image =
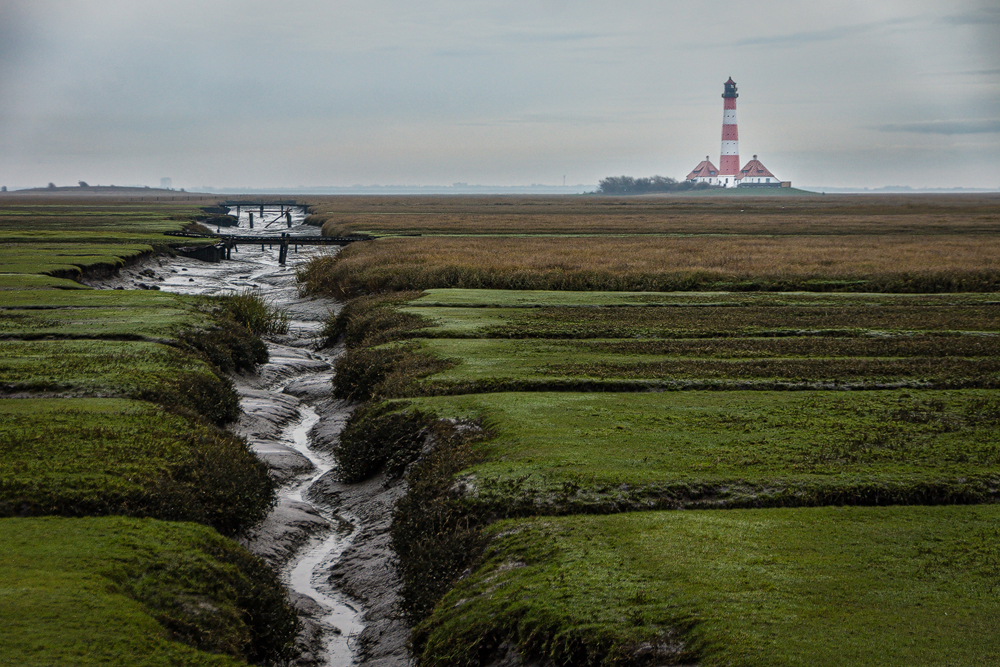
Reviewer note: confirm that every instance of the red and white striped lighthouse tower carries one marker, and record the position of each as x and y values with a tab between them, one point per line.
729	161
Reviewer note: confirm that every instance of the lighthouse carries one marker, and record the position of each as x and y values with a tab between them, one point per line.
729	161
729	175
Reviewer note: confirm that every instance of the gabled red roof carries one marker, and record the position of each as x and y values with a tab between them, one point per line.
705	169
754	168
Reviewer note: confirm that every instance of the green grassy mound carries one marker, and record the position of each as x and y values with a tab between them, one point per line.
22	281
162	320
764	317
599	452
141	370
103	591
68	260
833	586
484	365
77	457
216	329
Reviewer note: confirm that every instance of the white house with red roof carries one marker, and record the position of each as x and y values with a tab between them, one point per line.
705	172
755	174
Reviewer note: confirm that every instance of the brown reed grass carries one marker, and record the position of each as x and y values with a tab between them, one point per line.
736	214
896	263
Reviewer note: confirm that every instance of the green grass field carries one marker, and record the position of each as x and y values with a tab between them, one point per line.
119	591
149	371
95	456
67	260
748	363
567	451
893	586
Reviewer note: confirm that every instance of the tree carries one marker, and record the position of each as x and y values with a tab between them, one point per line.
626	185
83	184
52	186
3	189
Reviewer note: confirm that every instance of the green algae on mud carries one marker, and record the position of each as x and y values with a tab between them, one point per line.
114	590
897	586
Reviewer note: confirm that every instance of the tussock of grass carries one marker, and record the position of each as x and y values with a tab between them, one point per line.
381	438
433	533
255	312
389	371
78	457
113	590
828	586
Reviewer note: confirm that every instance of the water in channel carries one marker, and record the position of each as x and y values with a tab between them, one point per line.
279	410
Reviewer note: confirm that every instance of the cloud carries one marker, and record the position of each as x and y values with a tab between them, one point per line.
826	35
950	127
978	16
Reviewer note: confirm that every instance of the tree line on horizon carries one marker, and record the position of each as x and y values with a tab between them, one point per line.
627	185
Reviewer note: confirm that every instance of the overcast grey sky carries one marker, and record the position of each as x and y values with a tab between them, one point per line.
304	92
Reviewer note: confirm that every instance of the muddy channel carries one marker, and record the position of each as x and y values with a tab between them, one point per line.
329	541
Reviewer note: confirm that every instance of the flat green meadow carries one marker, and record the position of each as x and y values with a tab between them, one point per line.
832	461
893	586
569	451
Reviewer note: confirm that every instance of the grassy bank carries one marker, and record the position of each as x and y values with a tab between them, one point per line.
598	452
113	590
85	457
828	586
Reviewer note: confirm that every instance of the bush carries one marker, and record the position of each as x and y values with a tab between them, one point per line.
380	437
382	372
229	346
256	313
372	320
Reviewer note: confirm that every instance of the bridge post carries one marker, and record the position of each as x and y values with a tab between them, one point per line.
251	219
283	252
262	210
288	218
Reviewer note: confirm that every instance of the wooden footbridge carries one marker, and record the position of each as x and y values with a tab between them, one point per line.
229	242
